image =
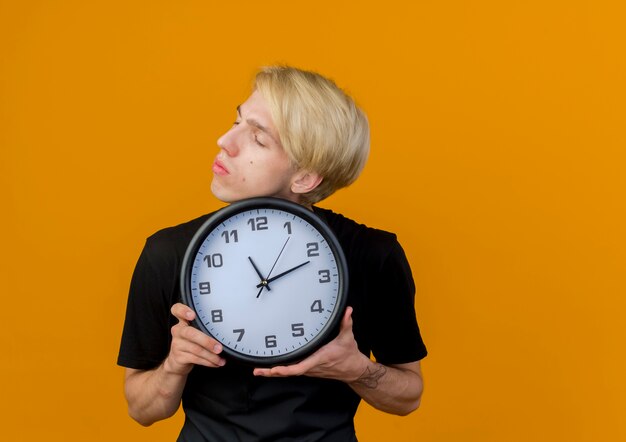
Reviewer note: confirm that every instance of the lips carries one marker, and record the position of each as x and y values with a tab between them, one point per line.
219	168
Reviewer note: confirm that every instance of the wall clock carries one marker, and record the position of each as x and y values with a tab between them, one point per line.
267	278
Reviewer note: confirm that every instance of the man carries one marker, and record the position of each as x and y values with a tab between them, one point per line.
300	138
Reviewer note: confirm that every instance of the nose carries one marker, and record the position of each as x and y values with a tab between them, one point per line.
228	142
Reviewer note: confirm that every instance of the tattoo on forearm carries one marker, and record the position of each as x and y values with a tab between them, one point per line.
370	376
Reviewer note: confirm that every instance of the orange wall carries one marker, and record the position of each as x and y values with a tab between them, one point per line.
498	135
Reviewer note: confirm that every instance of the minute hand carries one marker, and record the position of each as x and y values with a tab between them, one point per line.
280	275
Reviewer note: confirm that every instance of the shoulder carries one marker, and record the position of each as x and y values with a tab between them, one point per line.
172	242
359	239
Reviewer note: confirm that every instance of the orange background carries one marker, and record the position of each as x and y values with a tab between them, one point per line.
498	136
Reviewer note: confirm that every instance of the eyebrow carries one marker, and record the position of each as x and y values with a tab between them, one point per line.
255	123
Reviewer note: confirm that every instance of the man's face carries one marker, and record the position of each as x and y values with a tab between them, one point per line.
251	161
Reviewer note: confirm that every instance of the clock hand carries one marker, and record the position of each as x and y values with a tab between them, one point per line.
265	281
258	272
263	285
280	253
280	275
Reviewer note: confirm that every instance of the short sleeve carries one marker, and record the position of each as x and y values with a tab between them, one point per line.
395	335
146	335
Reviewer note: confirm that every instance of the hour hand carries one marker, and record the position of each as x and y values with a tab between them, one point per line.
280	275
263	283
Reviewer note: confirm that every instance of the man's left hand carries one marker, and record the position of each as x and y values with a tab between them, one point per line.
339	359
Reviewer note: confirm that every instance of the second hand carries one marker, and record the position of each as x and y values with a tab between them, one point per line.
272	269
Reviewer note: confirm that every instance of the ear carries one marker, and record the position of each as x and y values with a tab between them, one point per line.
305	180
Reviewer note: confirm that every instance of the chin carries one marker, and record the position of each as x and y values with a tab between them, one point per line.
220	193
227	196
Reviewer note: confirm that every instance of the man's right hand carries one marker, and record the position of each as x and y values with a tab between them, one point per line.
155	394
189	345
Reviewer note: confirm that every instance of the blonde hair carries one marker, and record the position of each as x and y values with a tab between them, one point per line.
320	127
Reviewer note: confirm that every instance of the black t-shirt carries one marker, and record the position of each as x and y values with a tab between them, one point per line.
229	403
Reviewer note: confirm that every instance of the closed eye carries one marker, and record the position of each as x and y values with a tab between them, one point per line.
257	141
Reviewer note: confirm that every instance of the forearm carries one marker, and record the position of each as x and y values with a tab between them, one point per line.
153	395
395	389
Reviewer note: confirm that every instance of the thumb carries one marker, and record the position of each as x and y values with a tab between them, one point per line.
346	321
183	313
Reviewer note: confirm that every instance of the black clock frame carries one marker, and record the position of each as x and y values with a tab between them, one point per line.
331	328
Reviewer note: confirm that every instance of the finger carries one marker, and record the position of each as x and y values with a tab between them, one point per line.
190	346
183	362
183	312
280	371
195	354
195	336
346	321
266	372
299	369
348	314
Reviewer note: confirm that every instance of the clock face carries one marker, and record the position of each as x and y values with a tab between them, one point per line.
267	279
